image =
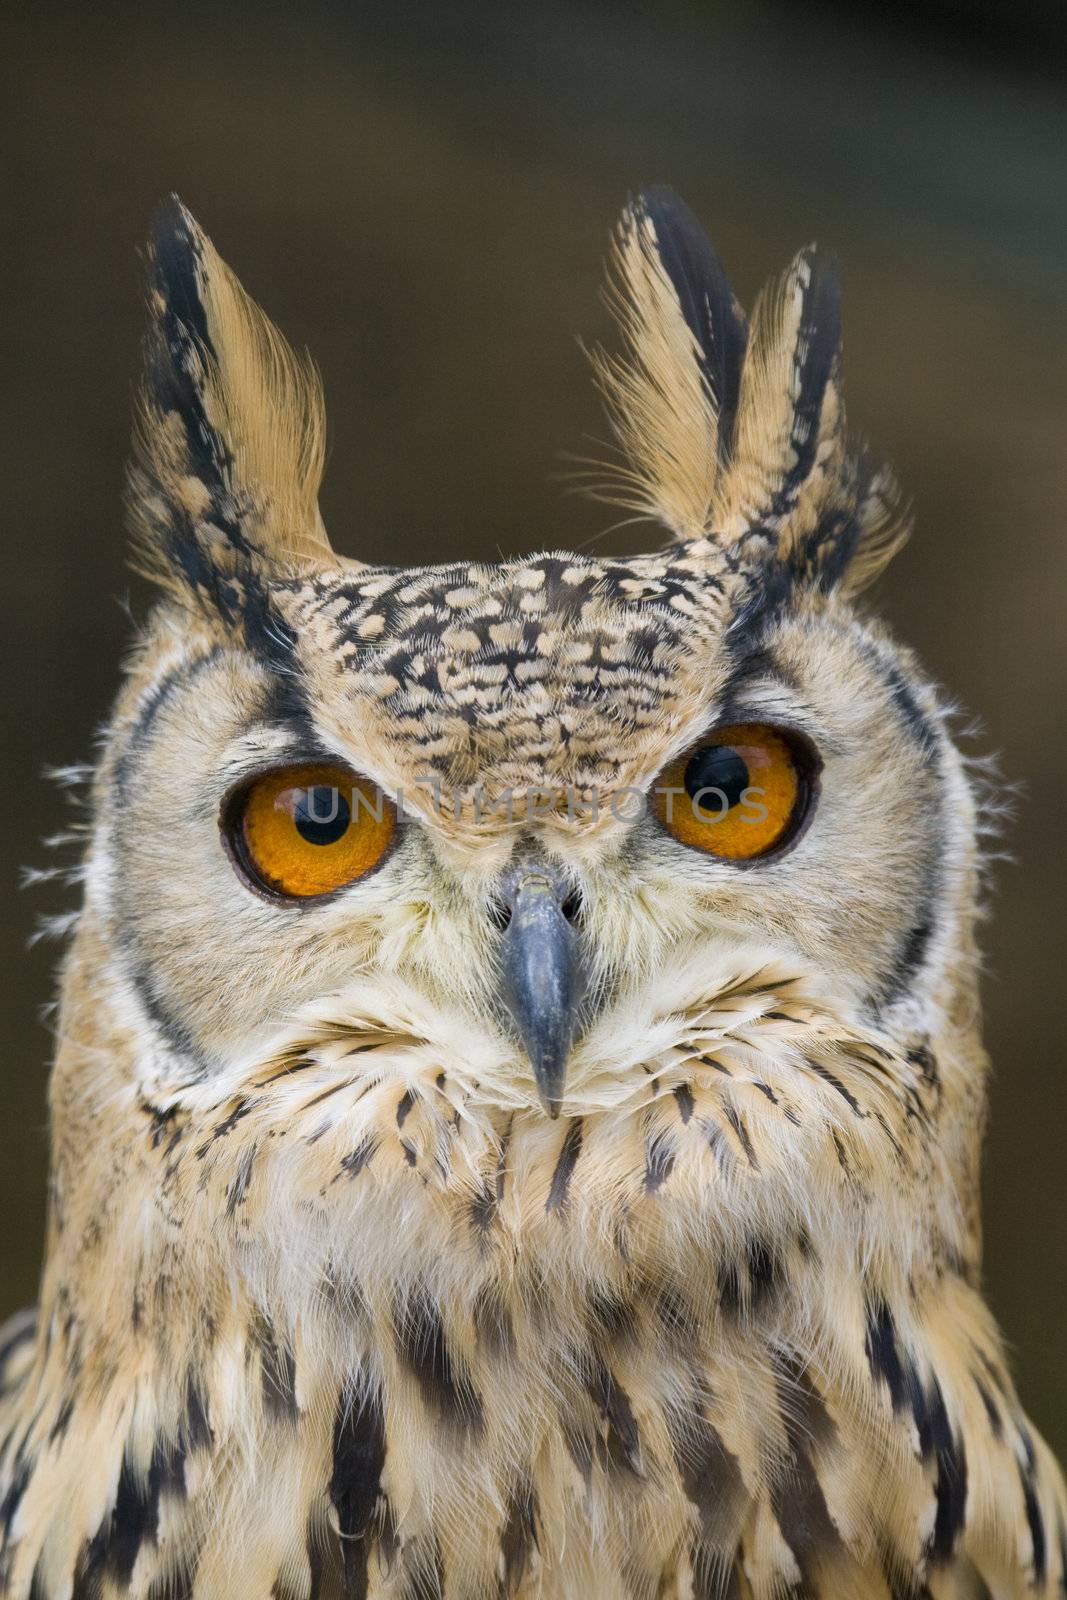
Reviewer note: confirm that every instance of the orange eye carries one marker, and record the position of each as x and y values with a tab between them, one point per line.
306	831
744	791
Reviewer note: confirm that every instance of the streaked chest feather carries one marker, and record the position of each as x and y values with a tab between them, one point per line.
432	1343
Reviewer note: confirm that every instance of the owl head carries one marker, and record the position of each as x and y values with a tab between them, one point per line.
408	867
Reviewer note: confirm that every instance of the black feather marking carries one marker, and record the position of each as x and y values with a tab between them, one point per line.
1035	1522
223	1129
133	1522
568	1160
518	1538
179	1585
278	1370
684	1096
707	301
176	680
357	1159
842	1153
443	1380
909	957
835	1083
611	1316
18	1483
660	1156
729	1287
710	1473
922	1056
355	1485
63	1418
238	1188
502	1163
815	355
316	1556
797	1497
915	719
613	1403
212	552
1026	1440
883	1356
737	1123
808	1415
764	1271
22	1329
950	1494
828	549
20	1332
195	1429
924	1410
492	1321
719	1147
992	1411
174	1032
176	260
483	1210
176	362
937	1436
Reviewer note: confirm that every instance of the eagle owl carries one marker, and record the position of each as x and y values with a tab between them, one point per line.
519	1090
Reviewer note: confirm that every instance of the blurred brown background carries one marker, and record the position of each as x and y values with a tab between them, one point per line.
422	195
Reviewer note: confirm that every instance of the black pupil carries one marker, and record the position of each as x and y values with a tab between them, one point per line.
322	815
720	768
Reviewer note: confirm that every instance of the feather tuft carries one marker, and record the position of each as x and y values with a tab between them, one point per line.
734	438
672	395
229	440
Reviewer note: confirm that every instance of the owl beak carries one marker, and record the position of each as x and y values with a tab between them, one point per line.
541	987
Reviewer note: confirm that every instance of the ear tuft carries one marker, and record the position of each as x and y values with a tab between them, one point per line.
790	437
708	303
738	437
672	397
795	493
229	441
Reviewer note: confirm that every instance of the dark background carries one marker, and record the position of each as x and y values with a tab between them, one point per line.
422	195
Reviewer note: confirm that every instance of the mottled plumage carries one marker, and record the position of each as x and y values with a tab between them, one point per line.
333	1305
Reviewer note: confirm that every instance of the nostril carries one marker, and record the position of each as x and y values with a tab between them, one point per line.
498	912
572	906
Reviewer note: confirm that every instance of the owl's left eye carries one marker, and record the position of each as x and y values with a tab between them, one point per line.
744	793
302	832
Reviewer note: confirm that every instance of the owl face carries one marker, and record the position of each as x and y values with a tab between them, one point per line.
482	726
546	840
524	792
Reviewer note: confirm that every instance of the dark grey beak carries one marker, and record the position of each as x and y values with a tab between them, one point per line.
542	980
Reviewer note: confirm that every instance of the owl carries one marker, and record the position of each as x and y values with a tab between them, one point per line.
519	1088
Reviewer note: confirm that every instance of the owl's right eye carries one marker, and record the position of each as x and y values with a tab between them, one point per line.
743	794
304	832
